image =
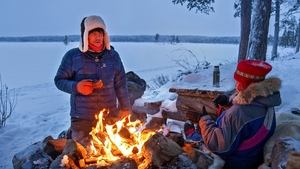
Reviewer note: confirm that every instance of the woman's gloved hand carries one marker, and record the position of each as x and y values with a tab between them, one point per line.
85	87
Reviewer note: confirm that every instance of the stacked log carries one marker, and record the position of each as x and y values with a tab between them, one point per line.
190	103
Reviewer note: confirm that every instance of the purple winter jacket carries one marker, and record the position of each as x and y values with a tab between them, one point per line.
240	133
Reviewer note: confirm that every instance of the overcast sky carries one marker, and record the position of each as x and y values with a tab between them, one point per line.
123	17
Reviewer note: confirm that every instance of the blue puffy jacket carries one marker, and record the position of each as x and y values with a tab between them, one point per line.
240	133
76	66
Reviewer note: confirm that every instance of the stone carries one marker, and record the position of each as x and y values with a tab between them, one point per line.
32	157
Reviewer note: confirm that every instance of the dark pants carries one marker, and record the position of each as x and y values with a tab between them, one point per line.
80	129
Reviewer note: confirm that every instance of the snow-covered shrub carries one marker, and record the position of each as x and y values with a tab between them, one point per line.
159	81
189	63
8	101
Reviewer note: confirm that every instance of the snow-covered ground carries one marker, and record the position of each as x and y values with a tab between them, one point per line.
43	110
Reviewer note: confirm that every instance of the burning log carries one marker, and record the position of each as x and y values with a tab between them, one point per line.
159	149
124	133
83	163
75	149
70	157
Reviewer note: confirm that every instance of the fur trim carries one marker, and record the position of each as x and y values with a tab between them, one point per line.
264	88
90	23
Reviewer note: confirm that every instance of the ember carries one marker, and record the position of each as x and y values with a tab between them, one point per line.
111	143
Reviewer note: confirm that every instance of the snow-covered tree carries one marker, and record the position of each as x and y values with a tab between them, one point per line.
276	30
285	9
298	37
257	47
294	11
243	8
289	26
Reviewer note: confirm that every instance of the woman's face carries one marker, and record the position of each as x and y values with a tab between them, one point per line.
95	38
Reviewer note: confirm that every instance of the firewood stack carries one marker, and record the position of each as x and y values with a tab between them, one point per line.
190	103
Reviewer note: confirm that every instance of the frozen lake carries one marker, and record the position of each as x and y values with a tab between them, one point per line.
28	63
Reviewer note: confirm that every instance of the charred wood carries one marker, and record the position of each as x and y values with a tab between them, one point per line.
159	149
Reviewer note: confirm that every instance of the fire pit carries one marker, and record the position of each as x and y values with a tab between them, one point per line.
125	144
112	143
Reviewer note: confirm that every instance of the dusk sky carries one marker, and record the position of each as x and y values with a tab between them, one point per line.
123	17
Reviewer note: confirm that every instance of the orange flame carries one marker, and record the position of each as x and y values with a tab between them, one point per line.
122	139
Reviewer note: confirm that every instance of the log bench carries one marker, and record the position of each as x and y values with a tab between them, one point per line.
189	105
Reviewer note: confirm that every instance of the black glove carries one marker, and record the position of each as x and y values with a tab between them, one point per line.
221	100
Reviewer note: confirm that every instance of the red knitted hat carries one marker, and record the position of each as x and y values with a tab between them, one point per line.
249	71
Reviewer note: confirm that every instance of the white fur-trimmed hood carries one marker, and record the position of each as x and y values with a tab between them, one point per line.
264	88
90	23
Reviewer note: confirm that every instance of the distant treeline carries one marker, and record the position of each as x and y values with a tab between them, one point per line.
128	38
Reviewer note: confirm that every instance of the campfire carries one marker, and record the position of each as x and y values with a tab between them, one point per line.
111	143
125	144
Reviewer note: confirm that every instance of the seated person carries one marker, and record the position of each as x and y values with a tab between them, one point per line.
241	131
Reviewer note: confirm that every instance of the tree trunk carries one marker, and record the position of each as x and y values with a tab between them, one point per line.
259	30
246	6
276	30
298	37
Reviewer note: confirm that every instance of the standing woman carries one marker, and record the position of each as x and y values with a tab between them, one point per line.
94	75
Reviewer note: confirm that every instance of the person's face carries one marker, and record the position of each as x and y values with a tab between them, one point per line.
95	38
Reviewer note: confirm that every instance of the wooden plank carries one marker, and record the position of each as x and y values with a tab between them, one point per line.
196	92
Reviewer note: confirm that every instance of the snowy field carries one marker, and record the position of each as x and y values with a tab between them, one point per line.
43	110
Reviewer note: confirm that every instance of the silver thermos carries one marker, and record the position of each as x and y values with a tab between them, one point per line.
216	76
